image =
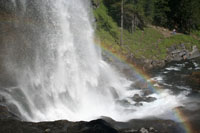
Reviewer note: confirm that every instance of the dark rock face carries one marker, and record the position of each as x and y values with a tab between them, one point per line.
147	64
6	114
9	123
96	126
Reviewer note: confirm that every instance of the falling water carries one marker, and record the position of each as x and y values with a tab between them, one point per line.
56	70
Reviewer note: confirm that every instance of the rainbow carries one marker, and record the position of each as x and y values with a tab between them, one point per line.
179	116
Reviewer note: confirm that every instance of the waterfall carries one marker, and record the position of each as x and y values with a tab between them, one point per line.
56	70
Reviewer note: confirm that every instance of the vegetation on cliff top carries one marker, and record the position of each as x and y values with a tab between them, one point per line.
146	40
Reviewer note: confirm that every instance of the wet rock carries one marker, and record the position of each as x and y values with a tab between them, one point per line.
150	99
6	114
143	130
138	104
152	130
95	126
159	126
137	98
123	102
47	130
146	92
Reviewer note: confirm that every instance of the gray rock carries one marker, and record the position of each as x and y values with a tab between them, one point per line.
177	58
194	53
123	102
143	130
147	61
138	104
137	98
47	130
182	53
152	130
150	99
176	51
175	54
146	92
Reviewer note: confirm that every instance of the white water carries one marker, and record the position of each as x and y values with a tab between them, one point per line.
59	73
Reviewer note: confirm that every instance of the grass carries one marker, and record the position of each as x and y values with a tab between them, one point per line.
196	33
176	40
148	43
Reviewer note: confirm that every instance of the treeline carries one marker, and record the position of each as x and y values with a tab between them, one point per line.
183	15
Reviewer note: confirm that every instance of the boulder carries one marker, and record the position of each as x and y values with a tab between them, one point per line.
150	99
194	53
147	92
137	98
143	130
95	126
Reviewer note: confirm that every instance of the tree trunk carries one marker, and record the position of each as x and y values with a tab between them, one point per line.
132	25
122	21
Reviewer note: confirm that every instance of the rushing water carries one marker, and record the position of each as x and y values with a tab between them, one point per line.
56	72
